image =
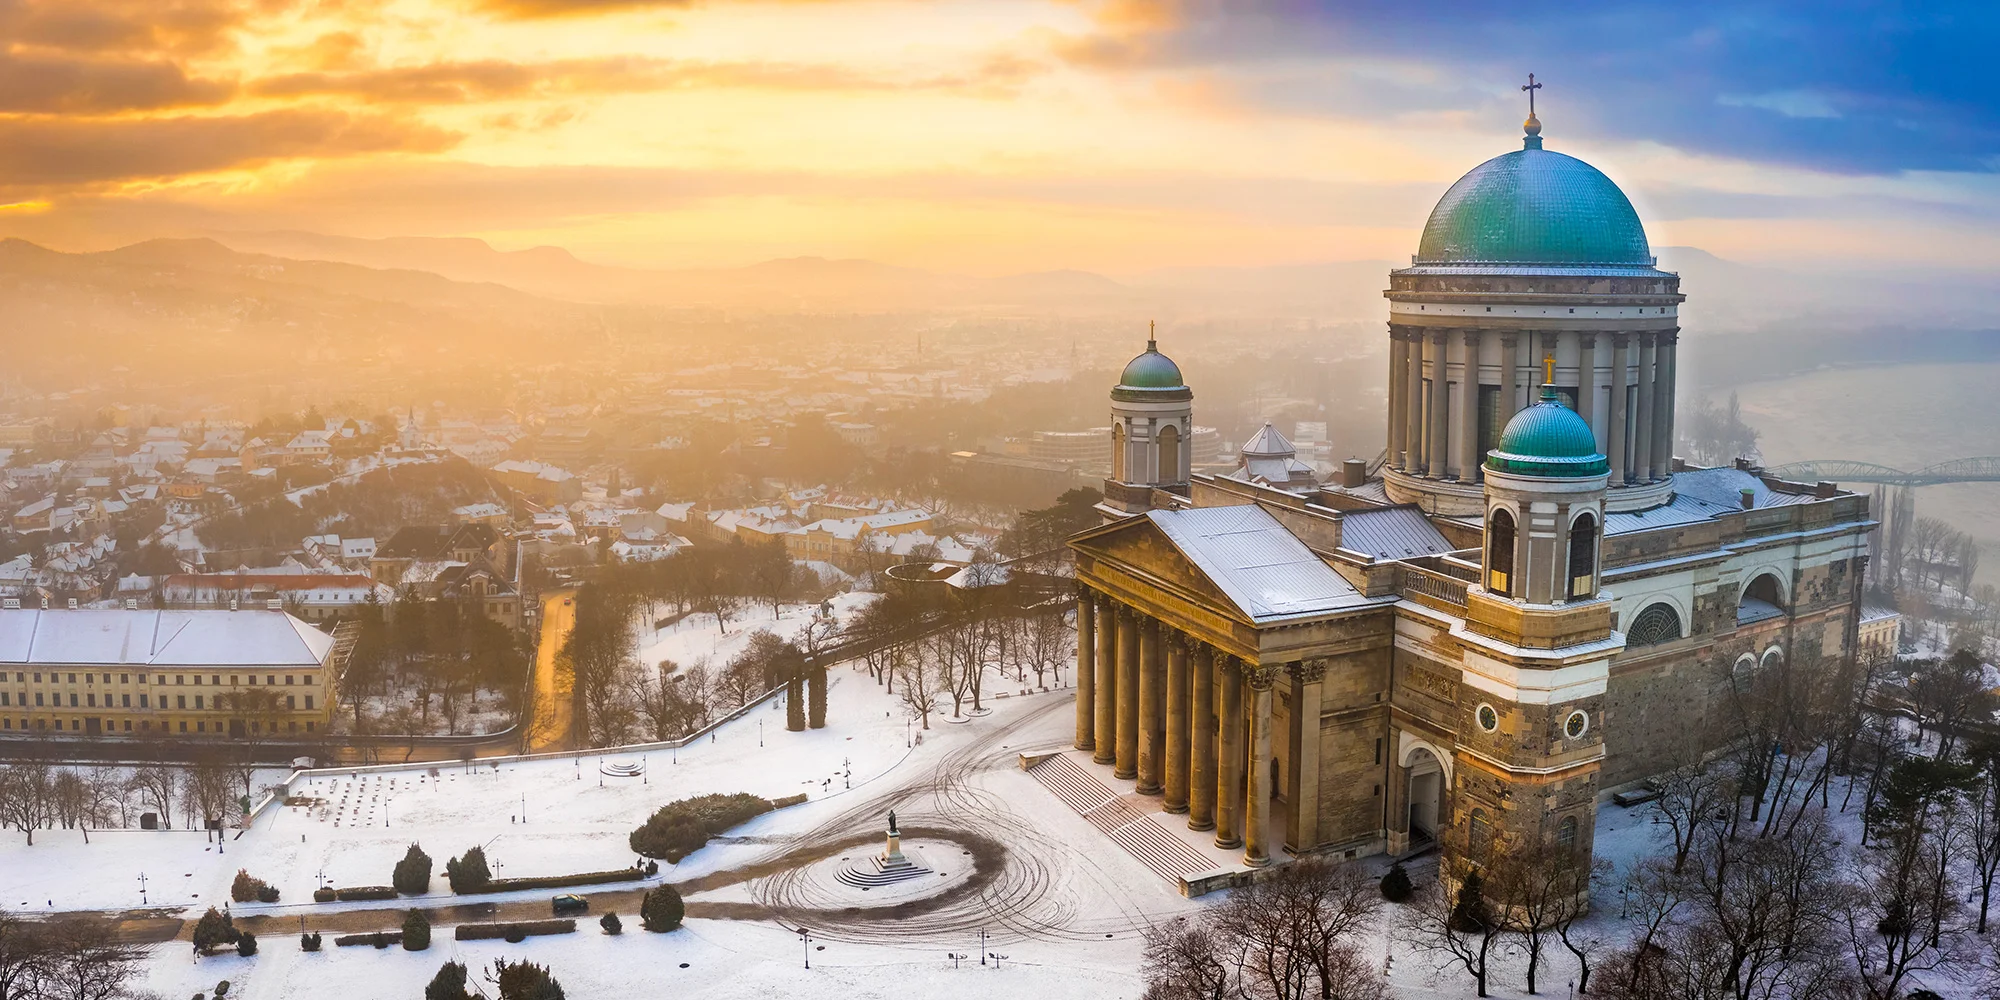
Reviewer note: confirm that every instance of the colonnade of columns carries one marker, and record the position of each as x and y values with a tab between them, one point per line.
1433	421
1186	721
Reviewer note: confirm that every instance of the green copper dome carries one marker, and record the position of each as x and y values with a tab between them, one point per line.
1535	207
1151	370
1548	440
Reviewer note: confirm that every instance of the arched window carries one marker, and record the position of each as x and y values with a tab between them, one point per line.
1582	556
1500	552
1763	599
1118	452
1566	833
1478	835
1656	624
1170	454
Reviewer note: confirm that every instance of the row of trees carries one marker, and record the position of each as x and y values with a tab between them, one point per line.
426	656
76	958
40	796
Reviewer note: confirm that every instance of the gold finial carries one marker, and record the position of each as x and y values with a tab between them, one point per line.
1533	126
1549	369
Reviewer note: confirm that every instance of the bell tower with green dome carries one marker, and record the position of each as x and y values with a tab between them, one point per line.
1152	430
1538	641
1532	254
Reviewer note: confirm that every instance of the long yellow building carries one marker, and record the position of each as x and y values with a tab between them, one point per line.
221	674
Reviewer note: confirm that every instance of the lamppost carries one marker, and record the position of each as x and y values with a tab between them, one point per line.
806	938
982	946
142	888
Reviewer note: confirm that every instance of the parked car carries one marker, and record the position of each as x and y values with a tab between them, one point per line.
568	903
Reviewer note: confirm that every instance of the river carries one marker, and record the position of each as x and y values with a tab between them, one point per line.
1901	416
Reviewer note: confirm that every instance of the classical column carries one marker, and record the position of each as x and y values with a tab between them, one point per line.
1468	411
1663	404
1177	722
1152	679
1399	425
1642	420
1201	779
1106	748
1302	784
1413	401
1257	819
1438	451
1086	680
1510	375
1128	695
1614	433
1586	378
1229	759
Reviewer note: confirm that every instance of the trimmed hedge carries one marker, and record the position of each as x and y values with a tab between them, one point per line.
323	895
353	893
682	827
482	932
555	881
372	939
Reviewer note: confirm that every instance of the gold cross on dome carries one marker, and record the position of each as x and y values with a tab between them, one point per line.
1531	86
1549	368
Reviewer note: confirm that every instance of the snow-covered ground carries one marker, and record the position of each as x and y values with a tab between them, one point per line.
695	639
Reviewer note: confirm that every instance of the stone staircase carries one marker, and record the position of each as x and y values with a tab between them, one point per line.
1167	855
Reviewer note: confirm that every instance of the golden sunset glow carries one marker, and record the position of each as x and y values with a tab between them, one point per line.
983	137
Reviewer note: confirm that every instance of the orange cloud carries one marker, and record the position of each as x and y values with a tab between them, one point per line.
526	9
56	153
69	85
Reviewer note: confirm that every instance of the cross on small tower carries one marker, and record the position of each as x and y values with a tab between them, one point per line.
1531	86
1549	368
1152	342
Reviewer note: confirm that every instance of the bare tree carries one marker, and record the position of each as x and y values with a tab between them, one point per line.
1285	937
158	786
1902	913
1539	889
921	681
1982	809
1692	792
1452	918
1945	693
26	798
84	959
1184	961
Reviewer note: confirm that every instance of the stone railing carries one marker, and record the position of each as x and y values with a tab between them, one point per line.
1435	590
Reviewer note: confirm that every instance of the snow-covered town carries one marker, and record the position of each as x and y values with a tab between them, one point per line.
944	499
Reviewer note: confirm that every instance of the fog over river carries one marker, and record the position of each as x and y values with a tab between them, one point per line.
1901	416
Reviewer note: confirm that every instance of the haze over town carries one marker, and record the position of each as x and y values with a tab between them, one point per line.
605	456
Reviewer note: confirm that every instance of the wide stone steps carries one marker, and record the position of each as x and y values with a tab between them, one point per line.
1167	855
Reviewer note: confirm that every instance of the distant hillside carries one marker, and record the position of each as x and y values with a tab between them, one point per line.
180	306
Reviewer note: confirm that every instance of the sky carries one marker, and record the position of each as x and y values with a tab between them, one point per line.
1116	136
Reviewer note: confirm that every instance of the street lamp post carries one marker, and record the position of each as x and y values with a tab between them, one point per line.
142	888
806	938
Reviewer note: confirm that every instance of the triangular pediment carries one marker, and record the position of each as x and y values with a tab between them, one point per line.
1239	561
1137	547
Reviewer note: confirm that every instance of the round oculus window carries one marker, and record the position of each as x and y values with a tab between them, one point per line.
1489	719
1576	725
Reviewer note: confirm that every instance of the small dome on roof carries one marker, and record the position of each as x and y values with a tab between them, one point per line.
1548	440
1269	443
1151	370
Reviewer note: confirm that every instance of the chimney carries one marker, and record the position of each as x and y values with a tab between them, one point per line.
1353	473
1743	464
1749	498
1824	489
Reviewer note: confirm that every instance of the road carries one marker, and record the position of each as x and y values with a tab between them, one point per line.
549	729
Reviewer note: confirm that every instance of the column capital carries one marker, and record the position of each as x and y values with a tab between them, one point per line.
1083	591
1510	340
1587	338
1619	340
1309	671
1259	676
1671	336
1173	638
1438	335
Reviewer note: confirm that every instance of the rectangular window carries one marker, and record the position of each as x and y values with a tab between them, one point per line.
197	703
72	678
3	697
127	678
290	702
184	726
180	678
127	700
234	680
181	701
1378	751
128	725
288	680
6	723
309	702
253	680
75	724
38	678
309	679
38	699
216	680
268	679
92	700
201	727
72	699
197	680
142	701
309	727
90	678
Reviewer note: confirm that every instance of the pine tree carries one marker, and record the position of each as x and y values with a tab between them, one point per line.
412	875
213	931
662	908
416	931
448	984
795	700
816	695
468	871
246	944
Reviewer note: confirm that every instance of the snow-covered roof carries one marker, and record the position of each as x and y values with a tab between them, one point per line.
161	638
1268	442
1262	568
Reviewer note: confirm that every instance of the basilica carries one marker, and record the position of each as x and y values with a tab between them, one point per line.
1524	606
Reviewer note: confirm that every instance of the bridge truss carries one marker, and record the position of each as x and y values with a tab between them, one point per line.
1840	470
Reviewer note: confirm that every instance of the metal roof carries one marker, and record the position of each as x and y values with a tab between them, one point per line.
1262	568
92	637
1391	533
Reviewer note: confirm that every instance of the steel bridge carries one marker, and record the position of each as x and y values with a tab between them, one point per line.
1840	470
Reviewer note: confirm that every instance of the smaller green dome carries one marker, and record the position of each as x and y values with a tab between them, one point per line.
1548	440
1151	370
